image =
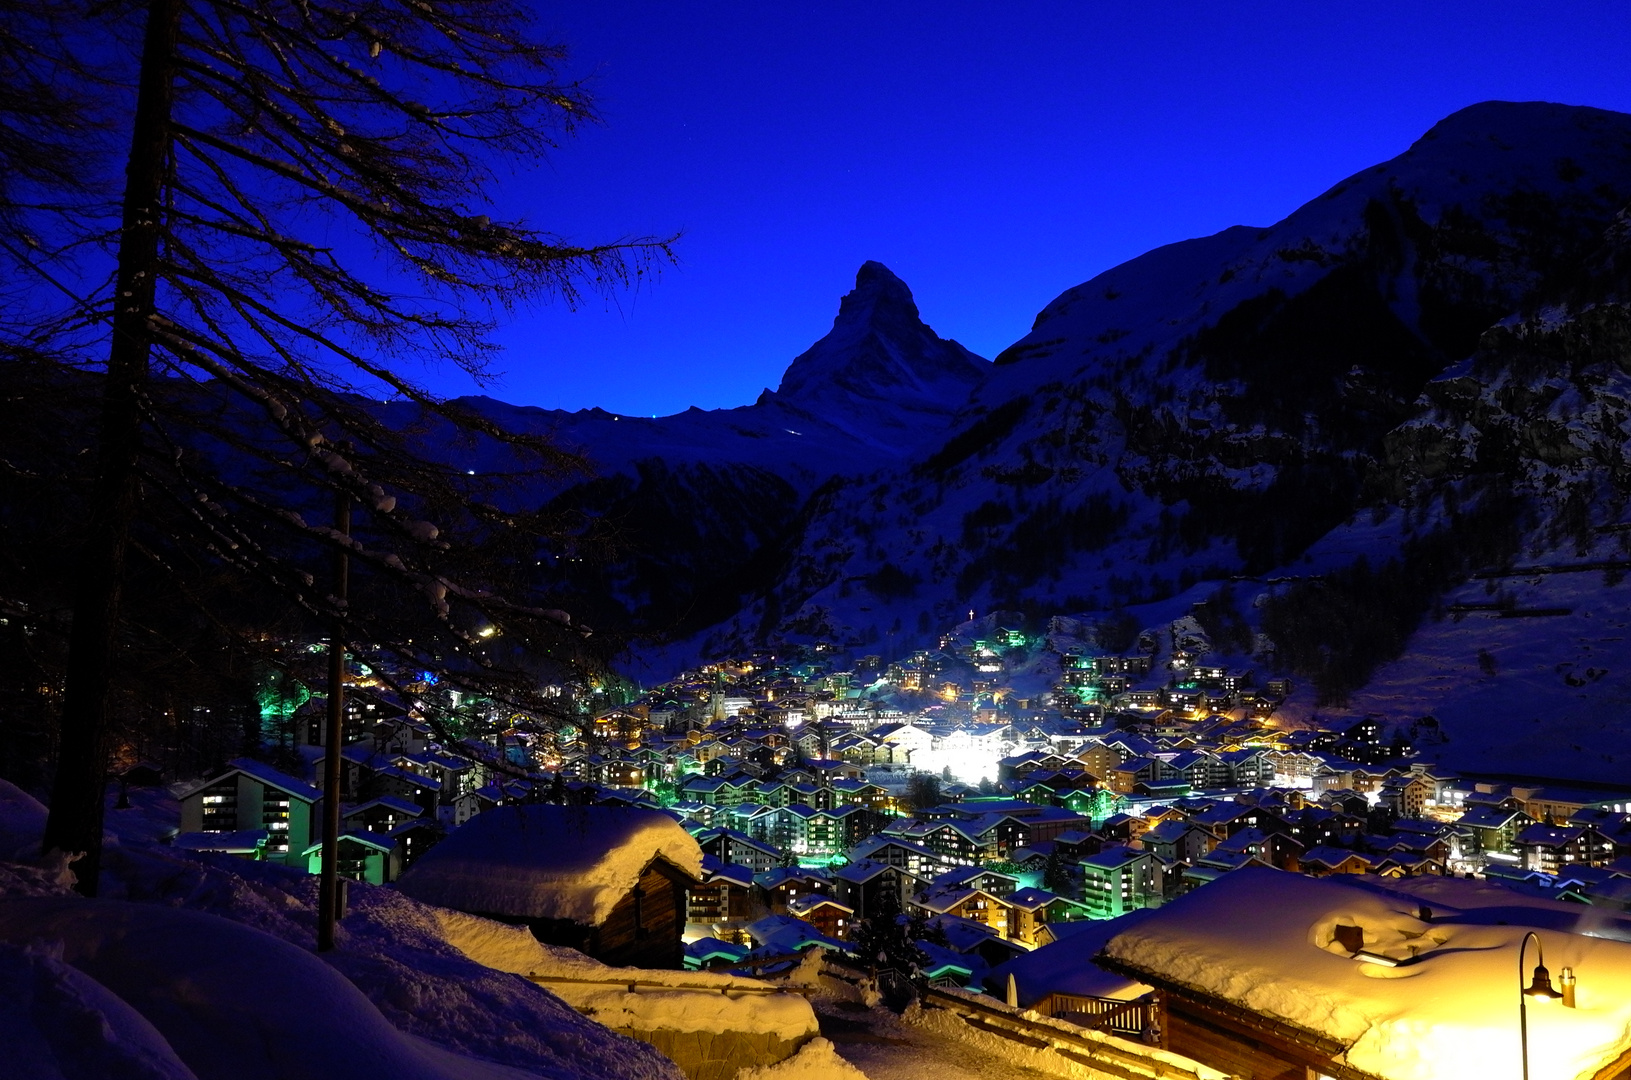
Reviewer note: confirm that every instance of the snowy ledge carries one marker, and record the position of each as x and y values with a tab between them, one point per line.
700	1001
1065	1047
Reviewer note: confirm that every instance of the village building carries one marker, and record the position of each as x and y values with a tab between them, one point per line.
609	881
1118	880
1552	848
1032	909
724	902
830	916
363	856
1268	974
251	796
737	848
869	886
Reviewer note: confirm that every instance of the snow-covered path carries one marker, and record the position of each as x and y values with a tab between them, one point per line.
877	1042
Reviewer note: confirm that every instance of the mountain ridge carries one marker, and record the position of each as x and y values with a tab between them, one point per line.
1216	407
1287	407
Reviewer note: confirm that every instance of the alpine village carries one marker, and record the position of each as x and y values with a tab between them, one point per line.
1228	679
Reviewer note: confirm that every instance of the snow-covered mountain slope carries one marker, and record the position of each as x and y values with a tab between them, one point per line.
881	375
1418	377
1527	664
700	504
1539	688
1494	596
1215	406
880	385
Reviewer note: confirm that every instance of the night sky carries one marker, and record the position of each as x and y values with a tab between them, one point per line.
992	155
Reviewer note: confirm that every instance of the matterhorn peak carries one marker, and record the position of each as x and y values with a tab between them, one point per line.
878	294
880	350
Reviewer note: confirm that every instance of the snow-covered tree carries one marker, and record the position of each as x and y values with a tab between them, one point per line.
884	940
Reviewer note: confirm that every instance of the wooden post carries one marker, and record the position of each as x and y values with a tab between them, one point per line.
328	894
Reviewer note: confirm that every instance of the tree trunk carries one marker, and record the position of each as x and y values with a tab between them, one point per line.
75	822
329	889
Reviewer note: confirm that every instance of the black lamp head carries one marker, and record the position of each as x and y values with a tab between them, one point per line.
1540	986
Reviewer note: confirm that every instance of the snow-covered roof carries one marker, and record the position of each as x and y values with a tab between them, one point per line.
1113	858
1488	817
1265	941
262	772
787	934
371	840
968	875
390	802
777	876
861	871
1033	899
711	948
730	873
1333	856
549	862
803	905
1170	832
878	841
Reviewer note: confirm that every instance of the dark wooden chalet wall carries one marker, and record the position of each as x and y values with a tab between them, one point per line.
1246	1045
646	927
1236	1040
1232	1052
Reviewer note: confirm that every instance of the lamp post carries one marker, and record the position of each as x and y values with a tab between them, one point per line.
1540	987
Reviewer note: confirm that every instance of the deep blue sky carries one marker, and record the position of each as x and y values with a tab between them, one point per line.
991	154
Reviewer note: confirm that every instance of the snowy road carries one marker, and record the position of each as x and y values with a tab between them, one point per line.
880	1045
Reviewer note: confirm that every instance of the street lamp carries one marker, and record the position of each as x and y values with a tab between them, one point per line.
1539	988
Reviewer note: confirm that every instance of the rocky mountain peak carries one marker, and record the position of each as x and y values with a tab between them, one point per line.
878	296
879	348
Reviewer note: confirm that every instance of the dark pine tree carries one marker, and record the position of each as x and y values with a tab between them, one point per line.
884	941
1056	876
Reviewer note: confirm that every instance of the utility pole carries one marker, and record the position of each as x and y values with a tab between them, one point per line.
328	896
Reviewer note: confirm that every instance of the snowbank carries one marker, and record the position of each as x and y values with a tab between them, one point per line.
62	1025
549	862
661	1001
234	1003
947	1024
22	823
173	926
512	948
816	1060
1264	940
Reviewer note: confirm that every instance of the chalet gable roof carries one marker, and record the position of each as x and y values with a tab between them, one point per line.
550	862
263	772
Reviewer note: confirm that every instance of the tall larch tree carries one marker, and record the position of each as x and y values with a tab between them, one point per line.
305	217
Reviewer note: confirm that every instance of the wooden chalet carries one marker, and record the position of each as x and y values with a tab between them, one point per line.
1277	976
609	881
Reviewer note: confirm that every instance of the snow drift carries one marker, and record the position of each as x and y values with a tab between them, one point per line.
199	966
